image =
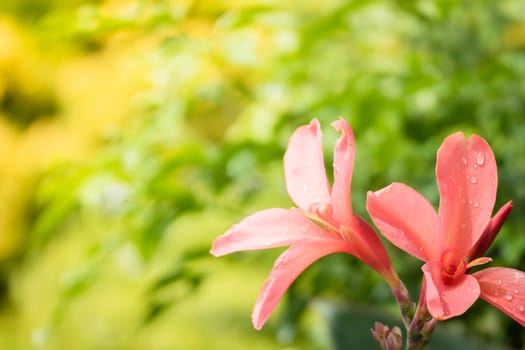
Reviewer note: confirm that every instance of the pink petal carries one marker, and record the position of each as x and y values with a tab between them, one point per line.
467	179
268	228
304	168
505	289
343	167
366	246
448	300
490	232
286	269
406	219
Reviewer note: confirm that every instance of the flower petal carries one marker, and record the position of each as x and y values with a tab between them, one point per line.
287	267
505	289
448	300
491	231
304	168
406	219
265	229
366	246
343	167
467	179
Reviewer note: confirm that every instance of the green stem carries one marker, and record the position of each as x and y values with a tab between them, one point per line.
423	324
405	303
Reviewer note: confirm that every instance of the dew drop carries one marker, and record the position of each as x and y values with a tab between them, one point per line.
474	179
517	276
480	158
521	308
476	204
498	282
284	234
516	291
264	292
509	297
305	187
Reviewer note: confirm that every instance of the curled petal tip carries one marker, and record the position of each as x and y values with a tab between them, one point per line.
340	125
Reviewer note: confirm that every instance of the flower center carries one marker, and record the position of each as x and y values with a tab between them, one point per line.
452	266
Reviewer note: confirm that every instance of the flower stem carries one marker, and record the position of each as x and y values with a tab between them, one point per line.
405	303
420	329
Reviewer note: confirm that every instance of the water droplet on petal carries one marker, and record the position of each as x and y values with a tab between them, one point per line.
476	204
305	187
284	234
521	308
516	291
480	158
264	292
498	282
509	297
474	179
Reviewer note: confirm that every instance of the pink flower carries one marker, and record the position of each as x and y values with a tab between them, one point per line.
454	239
323	224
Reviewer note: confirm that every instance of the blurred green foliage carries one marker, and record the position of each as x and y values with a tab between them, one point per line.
134	132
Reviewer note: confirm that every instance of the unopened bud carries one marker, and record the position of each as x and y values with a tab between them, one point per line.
386	338
491	231
380	333
394	340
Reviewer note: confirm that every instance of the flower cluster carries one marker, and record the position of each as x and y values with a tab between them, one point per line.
450	241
